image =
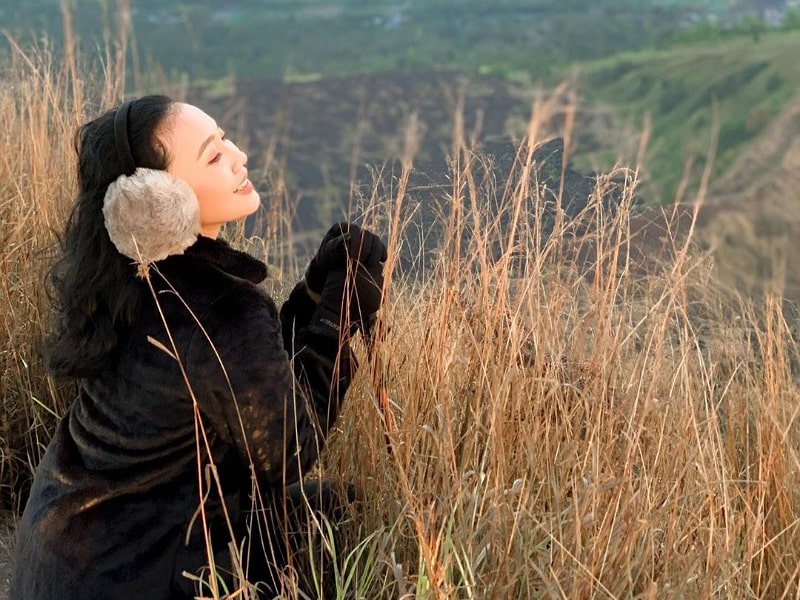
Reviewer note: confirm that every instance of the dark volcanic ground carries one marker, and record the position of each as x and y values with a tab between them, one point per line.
328	138
318	145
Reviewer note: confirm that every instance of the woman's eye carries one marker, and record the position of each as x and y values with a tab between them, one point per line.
216	158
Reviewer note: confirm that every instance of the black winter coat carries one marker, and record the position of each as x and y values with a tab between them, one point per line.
111	511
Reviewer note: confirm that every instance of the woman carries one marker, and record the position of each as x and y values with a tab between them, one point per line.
186	387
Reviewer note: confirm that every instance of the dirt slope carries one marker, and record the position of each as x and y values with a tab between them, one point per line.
754	212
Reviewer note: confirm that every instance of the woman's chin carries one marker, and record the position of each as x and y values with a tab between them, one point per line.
247	203
253	202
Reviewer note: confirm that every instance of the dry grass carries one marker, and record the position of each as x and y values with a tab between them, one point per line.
566	428
39	113
561	422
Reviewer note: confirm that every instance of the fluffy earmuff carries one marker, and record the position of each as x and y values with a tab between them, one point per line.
150	215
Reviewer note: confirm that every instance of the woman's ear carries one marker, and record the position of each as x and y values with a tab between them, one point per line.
151	215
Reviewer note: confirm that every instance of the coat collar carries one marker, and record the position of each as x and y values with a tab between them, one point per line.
235	262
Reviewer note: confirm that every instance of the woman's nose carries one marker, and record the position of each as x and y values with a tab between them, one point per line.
239	157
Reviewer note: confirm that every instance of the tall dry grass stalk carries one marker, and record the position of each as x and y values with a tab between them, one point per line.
567	422
44	97
564	418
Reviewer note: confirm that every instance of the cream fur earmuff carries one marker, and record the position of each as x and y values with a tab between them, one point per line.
151	215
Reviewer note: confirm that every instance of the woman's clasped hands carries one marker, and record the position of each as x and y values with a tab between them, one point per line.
345	278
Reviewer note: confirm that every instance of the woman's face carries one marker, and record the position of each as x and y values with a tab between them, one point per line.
212	166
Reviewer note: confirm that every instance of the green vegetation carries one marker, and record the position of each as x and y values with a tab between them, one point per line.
255	39
741	83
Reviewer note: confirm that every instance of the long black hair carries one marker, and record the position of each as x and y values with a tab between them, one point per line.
94	288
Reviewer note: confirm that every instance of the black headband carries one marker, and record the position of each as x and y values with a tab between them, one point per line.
121	137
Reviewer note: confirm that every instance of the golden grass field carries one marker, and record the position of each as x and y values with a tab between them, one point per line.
571	417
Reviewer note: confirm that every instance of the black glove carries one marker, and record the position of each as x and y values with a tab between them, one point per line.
342	244
350	300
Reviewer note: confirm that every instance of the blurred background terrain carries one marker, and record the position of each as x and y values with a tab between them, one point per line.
321	90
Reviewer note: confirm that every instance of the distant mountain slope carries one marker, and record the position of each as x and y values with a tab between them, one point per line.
755	228
748	90
746	84
749	221
771	160
290	38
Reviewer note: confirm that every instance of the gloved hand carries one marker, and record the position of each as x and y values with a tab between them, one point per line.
350	298
343	243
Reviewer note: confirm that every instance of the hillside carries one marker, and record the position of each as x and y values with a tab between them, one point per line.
755	228
750	215
748	83
285	39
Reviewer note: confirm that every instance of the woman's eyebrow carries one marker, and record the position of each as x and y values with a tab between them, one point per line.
205	144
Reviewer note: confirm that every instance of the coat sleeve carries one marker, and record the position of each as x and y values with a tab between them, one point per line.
276	414
311	353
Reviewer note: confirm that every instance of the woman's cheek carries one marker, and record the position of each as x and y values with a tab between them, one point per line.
205	198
